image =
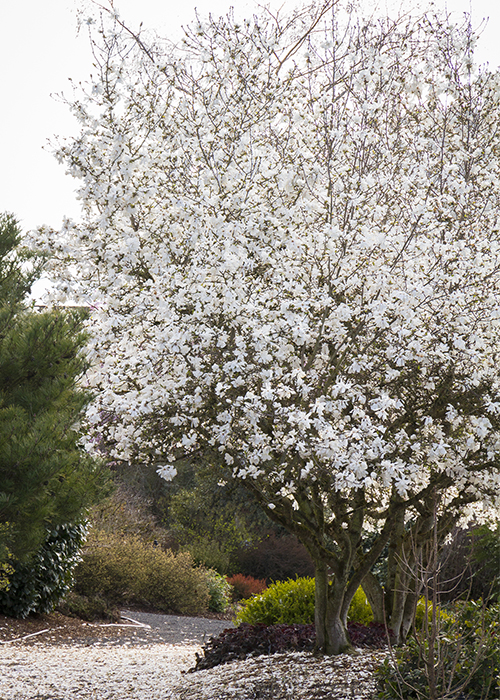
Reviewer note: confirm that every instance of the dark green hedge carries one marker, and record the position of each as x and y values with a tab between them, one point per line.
38	584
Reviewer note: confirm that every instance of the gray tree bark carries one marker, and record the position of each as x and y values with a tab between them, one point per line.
330	613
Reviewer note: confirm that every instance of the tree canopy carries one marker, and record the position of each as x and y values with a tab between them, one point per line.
290	244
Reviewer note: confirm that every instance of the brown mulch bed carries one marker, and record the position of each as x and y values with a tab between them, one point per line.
56	628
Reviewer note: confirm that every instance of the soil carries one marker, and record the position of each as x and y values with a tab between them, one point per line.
62	629
135	627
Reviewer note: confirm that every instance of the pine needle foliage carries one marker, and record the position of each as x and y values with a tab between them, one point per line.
46	479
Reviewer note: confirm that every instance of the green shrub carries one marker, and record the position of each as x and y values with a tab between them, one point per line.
466	659
128	570
90	609
359	609
292	602
285	602
486	555
38	584
220	591
6	568
420	613
209	554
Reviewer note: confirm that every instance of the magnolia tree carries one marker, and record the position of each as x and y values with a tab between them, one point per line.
290	242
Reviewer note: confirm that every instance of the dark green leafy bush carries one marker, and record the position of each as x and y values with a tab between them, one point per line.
129	570
38	584
467	660
275	558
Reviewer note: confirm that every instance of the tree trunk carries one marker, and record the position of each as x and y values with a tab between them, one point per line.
329	618
399	596
375	595
408	616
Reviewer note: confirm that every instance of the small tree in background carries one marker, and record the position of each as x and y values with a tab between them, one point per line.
453	653
46	479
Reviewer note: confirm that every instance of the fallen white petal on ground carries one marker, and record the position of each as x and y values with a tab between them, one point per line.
291	676
95	672
153	672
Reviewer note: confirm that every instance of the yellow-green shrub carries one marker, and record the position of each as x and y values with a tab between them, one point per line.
359	609
284	602
292	602
442	615
128	570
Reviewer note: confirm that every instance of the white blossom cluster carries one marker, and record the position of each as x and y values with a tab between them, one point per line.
290	248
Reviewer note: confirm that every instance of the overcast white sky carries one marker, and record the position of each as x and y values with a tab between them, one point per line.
40	51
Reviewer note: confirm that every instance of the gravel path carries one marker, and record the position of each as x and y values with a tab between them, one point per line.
146	657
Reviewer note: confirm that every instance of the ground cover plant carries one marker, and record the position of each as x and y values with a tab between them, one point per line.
290	245
255	640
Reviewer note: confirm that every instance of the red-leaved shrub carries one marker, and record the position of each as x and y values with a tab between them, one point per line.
246	586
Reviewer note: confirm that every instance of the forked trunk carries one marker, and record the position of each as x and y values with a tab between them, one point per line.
330	615
404	599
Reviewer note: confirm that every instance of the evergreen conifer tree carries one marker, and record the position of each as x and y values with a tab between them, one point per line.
46	480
